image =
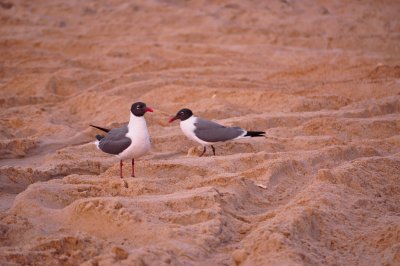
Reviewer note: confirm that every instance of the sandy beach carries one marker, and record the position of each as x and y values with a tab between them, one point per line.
321	78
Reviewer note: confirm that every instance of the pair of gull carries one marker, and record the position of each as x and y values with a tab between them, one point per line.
133	140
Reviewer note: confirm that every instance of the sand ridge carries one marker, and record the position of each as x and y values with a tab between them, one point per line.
321	78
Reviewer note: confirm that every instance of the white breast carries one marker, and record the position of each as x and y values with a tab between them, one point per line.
139	135
188	128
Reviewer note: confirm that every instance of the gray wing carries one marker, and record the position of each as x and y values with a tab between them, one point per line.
210	131
115	141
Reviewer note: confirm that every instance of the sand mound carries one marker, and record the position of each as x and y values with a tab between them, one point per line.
322	79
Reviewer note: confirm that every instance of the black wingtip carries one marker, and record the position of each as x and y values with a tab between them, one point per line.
101	128
255	134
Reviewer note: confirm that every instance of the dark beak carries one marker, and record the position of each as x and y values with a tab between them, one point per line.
148	109
173	119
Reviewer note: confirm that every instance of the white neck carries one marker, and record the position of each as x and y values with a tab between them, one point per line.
188	129
190	120
137	132
137	126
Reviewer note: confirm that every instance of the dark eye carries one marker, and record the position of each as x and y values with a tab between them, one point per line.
139	107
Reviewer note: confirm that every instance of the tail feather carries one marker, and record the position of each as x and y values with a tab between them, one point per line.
101	128
255	134
99	137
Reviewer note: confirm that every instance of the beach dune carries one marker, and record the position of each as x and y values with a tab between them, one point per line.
322	78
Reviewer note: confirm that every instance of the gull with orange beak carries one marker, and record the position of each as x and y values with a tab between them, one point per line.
208	132
130	141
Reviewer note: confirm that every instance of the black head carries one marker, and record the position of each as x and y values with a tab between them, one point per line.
183	114
139	109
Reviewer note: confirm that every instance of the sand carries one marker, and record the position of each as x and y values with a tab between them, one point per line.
322	78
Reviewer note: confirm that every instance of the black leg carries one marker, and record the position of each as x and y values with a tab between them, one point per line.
120	167
204	150
133	167
212	147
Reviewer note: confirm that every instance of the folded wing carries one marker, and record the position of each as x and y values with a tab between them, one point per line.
210	131
115	141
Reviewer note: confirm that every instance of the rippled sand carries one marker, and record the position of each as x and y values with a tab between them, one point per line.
321	78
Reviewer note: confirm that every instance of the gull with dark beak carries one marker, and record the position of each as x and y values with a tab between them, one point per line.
208	132
128	142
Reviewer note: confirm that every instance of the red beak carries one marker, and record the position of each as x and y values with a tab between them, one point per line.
148	109
173	119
